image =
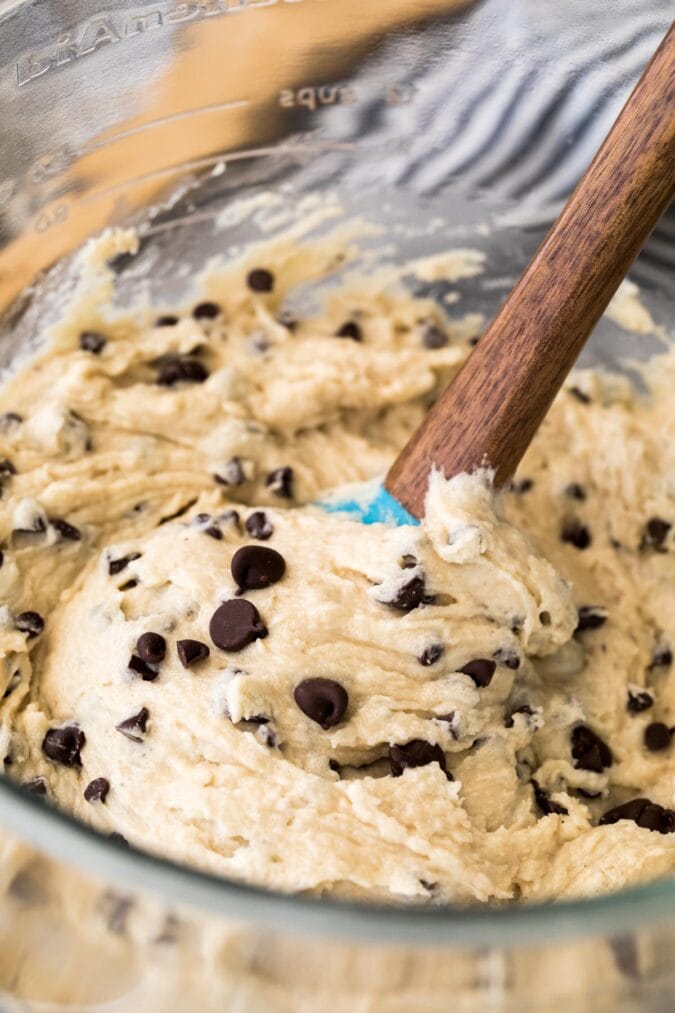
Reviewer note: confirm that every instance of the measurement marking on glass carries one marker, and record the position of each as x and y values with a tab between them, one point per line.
162	121
203	163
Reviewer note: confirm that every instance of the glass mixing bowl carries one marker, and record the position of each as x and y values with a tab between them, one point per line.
447	123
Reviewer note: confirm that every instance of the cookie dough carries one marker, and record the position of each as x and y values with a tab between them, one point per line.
198	659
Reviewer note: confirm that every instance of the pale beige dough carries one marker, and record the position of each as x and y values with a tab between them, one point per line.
285	803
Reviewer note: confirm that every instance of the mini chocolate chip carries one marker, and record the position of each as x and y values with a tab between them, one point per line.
232	473
30	623
521	485
191	651
63	745
36	786
167	320
128	585
206	311
324	701
480	670
655	533
235	624
260	280
280	482
579	394
508	657
135	727
92	341
409	562
350	329
118	839
638	702
431	654
97	790
288	320
416	753
661	658
181	369
230	517
648	815
9	421
409	595
257	566
591	617
259	526
151	647
523	709
213	532
68	532
545	618
434	337
576	534
657	736
116	566
546	804
142	668
7	469
589	751
575	491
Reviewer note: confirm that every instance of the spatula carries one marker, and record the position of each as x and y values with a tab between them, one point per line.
490	412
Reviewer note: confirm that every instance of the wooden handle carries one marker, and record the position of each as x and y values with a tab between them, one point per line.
495	404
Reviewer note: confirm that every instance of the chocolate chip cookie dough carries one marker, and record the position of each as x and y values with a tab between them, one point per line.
198	660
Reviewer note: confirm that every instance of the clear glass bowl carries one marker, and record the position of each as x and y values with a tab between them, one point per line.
448	124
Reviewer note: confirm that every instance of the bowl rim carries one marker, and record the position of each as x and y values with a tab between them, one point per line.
65	839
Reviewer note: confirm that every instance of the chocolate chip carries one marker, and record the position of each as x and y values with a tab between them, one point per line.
142	668
97	790
288	320
213	532
589	751
191	651
260	280
416	753
322	700
9	421
648	815
280	482
350	329
655	533
36	786
128	585
116	566
480	670
523	709
575	491
657	736
118	839
92	341
206	311
507	656
661	658
409	595
68	532
30	623
7	469
167	320
579	394
521	485
63	745
638	702
431	654
591	617
546	804
232	473
434	337
257	566
409	562
259	526
151	647
135	727
545	618
235	624
181	369
576	534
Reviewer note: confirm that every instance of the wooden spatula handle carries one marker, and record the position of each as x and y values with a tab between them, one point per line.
493	407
